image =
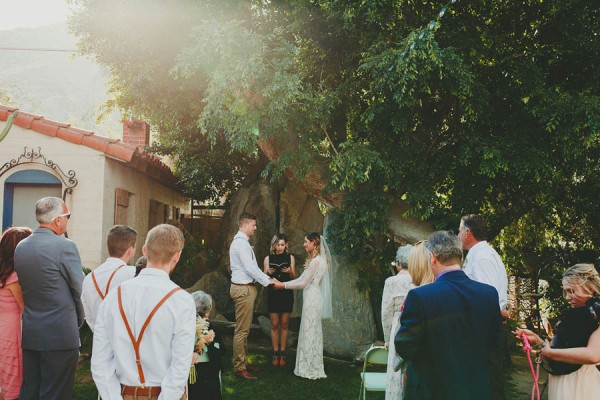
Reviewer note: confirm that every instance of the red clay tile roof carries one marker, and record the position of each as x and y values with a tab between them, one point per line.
143	162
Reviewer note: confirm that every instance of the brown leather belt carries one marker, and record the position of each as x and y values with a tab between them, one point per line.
244	284
140	391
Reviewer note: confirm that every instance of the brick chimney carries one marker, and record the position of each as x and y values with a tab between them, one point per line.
136	132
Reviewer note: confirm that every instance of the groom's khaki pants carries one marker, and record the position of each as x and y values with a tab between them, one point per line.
243	297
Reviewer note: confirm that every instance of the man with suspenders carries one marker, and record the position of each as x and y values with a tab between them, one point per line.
96	285
145	329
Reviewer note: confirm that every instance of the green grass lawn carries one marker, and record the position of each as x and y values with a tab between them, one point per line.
343	381
343	378
280	383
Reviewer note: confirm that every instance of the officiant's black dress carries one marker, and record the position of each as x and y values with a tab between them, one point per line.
280	300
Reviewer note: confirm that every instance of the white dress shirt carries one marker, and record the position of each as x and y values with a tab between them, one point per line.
244	267
483	264
89	295
166	348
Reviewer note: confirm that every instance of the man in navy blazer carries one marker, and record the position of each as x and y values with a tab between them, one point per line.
49	270
448	329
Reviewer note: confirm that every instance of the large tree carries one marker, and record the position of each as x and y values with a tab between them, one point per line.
489	106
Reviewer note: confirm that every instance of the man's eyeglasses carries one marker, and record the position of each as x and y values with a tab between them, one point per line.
68	215
420	241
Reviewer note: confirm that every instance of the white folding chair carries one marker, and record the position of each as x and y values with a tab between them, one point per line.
373	381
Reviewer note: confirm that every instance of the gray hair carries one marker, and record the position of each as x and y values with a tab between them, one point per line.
48	208
446	247
402	255
203	302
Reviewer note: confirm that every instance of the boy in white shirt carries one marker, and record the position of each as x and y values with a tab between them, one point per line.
96	285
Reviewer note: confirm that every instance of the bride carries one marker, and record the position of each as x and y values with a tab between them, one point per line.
316	282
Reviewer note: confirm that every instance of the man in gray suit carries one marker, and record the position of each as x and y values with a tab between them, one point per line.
50	274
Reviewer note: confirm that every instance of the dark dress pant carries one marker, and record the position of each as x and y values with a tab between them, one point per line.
497	363
48	375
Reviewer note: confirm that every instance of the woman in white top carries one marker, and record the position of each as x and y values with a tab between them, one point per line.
394	292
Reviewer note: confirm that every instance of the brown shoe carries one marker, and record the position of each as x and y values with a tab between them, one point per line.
275	361
253	368
282	362
245	374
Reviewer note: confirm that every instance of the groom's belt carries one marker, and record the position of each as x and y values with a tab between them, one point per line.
140	391
244	284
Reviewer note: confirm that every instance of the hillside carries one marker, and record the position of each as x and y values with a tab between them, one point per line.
60	86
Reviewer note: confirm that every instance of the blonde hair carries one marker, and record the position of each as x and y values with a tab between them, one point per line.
584	275
275	240
163	242
418	265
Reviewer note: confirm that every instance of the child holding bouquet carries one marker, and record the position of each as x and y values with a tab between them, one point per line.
205	373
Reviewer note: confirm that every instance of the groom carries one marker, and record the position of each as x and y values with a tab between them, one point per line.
244	273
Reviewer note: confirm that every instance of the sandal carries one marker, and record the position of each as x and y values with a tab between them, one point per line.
275	361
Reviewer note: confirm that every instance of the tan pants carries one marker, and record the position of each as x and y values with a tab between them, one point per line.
243	299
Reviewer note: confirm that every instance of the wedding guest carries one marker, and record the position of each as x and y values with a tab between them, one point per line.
421	274
11	308
574	352
281	265
483	264
244	273
110	274
394	292
49	270
207	354
130	362
448	328
419	267
316	305
140	264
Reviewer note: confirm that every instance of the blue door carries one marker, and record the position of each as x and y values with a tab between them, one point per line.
21	191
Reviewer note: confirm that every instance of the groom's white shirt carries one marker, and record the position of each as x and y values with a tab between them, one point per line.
244	266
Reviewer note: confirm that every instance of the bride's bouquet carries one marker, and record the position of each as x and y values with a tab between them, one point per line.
204	336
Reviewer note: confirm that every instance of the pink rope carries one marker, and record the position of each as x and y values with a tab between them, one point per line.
535	374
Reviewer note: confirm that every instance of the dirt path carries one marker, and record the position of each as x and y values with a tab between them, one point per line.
520	381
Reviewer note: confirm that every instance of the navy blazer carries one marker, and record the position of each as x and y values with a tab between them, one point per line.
50	274
447	330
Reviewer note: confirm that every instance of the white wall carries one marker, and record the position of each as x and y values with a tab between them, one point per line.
85	203
92	203
142	189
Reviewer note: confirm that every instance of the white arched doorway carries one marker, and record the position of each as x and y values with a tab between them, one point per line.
21	191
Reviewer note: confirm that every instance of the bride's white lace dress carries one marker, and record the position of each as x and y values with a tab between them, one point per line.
309	356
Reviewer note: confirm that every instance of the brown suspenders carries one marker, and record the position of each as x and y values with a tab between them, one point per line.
102	296
134	342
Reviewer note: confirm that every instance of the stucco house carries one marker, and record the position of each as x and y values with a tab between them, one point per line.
104	181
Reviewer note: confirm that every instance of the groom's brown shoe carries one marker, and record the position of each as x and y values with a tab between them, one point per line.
252	367
245	375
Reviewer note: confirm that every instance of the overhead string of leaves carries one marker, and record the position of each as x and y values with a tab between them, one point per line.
357	161
425	31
